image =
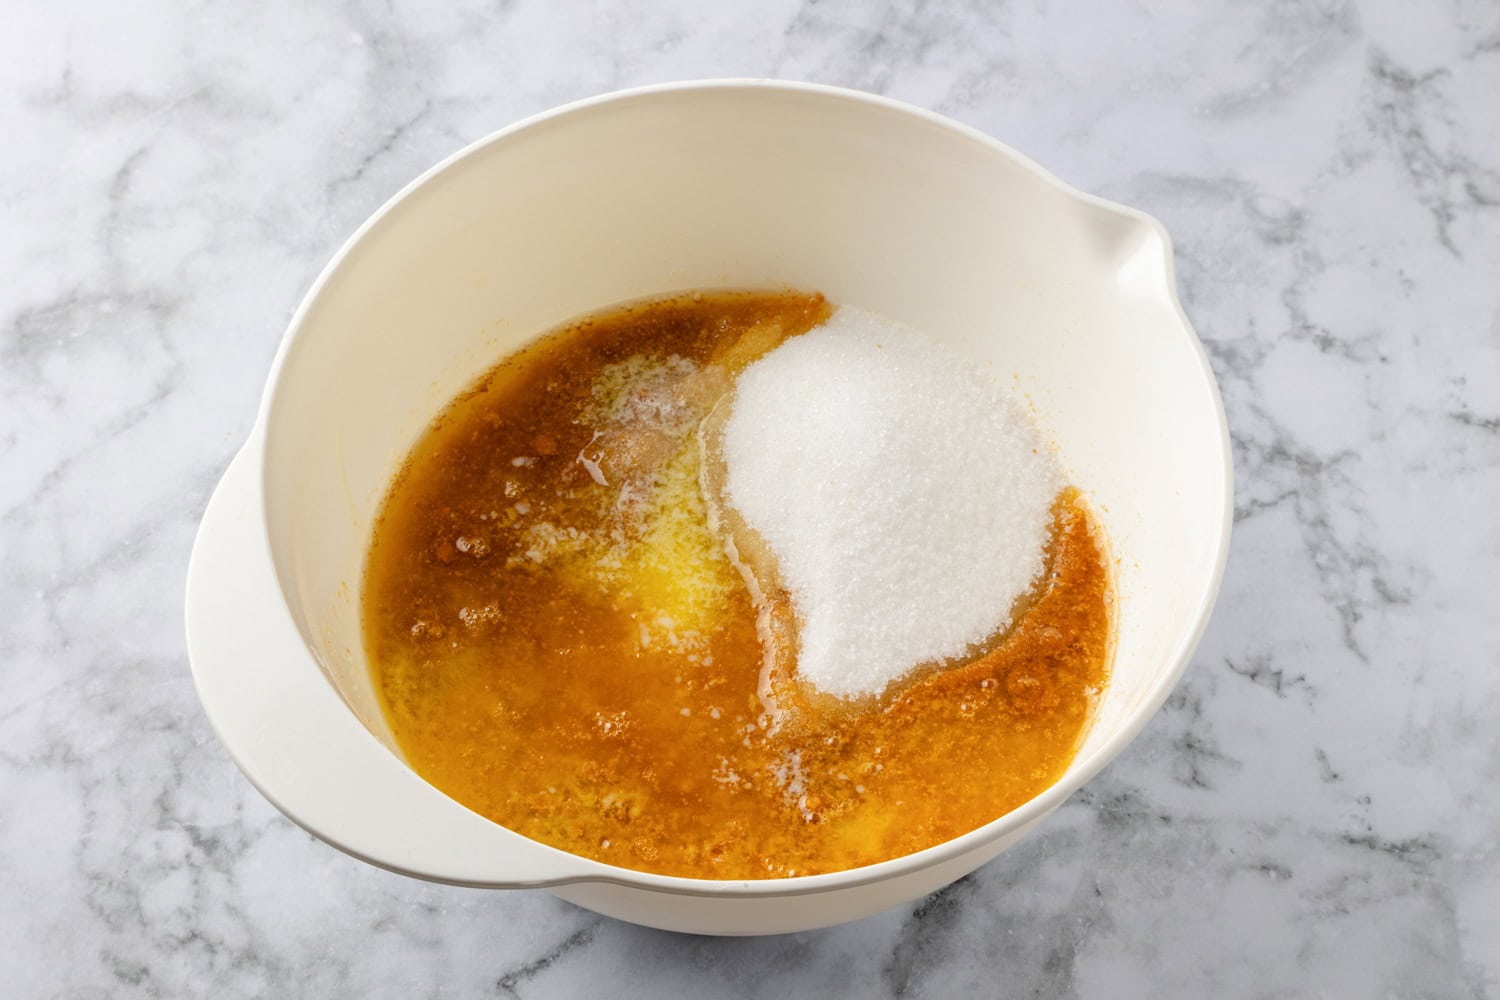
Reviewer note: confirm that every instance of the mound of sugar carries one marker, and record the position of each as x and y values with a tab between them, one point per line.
905	498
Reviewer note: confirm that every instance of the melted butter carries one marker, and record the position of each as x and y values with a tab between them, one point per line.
561	644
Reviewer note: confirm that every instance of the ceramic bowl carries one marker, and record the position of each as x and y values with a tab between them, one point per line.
734	184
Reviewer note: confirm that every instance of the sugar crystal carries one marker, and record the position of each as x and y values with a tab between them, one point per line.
905	498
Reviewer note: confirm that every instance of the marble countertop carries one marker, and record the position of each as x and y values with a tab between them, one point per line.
1315	811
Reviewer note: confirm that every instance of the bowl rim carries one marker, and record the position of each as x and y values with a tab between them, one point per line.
1023	816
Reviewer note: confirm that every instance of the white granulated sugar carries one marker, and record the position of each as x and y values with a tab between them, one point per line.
905	498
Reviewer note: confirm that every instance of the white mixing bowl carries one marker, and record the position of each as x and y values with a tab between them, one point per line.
704	185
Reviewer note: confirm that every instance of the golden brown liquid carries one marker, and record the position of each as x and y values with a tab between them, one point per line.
562	645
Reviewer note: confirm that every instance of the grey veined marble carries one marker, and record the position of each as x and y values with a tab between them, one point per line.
1316	812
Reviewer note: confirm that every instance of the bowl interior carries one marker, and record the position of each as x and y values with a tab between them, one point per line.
749	186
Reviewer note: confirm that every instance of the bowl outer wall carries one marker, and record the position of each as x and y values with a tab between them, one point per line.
1134	241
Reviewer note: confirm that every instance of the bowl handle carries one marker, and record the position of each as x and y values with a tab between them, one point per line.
296	740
